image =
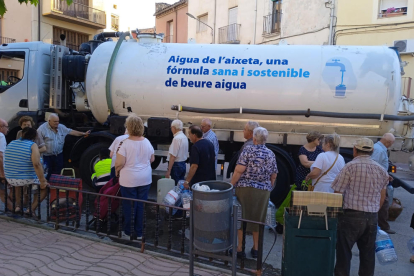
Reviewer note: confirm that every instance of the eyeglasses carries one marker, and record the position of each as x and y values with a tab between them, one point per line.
5	126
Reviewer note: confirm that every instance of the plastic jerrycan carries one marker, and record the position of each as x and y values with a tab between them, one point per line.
164	185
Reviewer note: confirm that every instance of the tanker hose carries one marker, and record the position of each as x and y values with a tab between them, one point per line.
306	113
110	69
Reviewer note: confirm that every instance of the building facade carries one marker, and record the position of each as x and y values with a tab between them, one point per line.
259	21
172	21
379	22
79	21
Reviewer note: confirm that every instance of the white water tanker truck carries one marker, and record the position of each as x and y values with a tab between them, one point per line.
351	90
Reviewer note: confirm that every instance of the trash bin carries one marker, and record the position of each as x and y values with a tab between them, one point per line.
212	219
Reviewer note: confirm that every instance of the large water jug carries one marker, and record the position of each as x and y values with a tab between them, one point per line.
164	185
384	248
271	215
410	245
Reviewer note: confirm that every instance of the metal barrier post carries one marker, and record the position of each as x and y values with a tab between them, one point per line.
191	243
234	251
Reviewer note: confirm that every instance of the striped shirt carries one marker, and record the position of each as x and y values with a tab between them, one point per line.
18	160
54	140
211	136
361	182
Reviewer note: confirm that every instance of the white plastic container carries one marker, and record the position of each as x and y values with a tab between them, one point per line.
384	248
164	185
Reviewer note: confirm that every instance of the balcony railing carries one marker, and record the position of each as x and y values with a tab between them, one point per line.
168	39
80	11
230	34
7	40
69	45
271	23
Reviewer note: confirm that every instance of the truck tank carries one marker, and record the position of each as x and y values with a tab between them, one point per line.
242	82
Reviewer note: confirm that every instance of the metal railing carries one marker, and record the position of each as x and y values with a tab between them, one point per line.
271	23
7	40
229	34
76	218
168	39
80	11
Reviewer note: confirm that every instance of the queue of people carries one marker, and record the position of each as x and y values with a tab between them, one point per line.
362	181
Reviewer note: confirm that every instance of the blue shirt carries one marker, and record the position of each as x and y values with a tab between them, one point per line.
18	160
260	163
380	155
54	140
211	136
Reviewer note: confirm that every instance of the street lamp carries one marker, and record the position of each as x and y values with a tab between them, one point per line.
212	30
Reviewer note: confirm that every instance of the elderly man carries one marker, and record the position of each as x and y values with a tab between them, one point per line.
362	182
177	153
202	159
54	135
209	135
248	133
4	128
380	155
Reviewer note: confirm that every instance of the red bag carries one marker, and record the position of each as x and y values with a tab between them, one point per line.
112	188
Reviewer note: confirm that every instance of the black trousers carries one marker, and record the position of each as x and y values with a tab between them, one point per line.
360	228
383	215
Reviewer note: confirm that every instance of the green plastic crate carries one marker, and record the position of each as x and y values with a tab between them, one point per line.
309	250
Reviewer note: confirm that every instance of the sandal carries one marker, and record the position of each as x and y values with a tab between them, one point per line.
412	259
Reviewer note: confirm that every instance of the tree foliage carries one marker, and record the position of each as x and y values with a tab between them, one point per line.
3	8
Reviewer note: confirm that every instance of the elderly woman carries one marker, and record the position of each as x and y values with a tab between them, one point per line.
22	166
254	177
133	166
27	121
307	155
327	165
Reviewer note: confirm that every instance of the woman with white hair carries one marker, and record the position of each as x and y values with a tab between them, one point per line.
327	165
133	166
177	153
254	178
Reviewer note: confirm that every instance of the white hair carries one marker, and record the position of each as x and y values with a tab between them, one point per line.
260	134
177	124
51	115
207	121
251	125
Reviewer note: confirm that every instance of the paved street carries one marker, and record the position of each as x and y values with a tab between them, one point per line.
27	250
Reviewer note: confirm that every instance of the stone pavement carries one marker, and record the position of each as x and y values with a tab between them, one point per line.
27	250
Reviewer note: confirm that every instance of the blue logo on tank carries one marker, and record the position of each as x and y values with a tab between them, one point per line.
339	75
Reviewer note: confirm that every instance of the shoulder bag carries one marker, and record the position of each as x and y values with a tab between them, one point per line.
312	187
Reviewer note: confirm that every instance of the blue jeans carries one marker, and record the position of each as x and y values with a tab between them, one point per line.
54	163
140	192
360	228
113	172
178	171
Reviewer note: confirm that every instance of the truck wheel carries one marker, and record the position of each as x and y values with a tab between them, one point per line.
283	182
88	160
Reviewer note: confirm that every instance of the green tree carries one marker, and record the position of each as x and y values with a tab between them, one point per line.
3	8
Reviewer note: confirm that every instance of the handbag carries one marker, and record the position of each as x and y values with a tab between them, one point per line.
312	187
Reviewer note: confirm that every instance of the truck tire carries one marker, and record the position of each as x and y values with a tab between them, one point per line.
283	182
88	159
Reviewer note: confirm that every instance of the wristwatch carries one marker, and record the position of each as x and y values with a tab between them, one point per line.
186	182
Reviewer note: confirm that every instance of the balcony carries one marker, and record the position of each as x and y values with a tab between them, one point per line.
168	39
229	34
271	24
76	13
5	40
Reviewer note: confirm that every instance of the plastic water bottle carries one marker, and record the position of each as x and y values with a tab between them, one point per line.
384	248
390	192
170	199
410	245
239	211
271	215
186	197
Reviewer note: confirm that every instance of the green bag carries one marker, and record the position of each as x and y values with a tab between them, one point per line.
285	203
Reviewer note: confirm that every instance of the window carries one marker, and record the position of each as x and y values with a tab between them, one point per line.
169	38
115	22
233	15
392	8
271	22
73	39
11	68
200	26
115	7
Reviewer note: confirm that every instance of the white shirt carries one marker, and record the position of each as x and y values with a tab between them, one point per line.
179	147
3	142
323	162
137	169
114	147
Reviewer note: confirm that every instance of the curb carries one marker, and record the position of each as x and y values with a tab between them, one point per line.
95	239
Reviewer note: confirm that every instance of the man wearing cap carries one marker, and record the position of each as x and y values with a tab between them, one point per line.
363	184
380	155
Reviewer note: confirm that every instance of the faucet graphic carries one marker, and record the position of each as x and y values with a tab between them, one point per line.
341	88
